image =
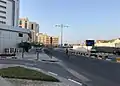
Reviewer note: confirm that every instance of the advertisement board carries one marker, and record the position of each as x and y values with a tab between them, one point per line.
90	42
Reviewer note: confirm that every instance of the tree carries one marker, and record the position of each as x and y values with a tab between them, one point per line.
36	44
65	44
25	45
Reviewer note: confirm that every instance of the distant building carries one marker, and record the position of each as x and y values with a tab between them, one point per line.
55	41
9	12
24	23
99	41
45	39
32	26
109	43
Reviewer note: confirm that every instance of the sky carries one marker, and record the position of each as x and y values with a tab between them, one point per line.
87	19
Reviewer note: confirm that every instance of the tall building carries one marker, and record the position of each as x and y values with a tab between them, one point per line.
9	12
33	26
55	41
45	39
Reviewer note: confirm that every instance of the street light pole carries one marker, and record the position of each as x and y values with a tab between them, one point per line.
61	35
61	26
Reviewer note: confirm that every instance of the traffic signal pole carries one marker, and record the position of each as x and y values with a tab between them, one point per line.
51	41
61	35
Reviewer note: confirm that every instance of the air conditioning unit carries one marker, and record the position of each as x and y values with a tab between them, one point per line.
7	50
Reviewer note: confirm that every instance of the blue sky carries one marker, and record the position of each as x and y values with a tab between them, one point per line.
88	19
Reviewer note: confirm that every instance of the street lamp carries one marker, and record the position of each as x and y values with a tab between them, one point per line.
61	26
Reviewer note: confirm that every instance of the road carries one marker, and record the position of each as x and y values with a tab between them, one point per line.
99	72
52	68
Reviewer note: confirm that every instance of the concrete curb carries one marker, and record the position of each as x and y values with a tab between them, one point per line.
3	82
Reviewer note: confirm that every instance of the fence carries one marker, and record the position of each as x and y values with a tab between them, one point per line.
103	56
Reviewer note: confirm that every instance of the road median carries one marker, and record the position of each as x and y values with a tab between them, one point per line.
24	73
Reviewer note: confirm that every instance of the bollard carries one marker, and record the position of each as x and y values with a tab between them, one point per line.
79	53
87	55
37	55
76	53
83	54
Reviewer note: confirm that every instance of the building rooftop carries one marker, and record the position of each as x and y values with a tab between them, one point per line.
13	29
24	19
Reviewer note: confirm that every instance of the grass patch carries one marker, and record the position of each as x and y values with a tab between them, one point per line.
24	73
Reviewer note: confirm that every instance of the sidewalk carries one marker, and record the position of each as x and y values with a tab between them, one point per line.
33	56
3	82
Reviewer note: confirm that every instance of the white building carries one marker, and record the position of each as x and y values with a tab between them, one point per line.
10	33
10	36
9	12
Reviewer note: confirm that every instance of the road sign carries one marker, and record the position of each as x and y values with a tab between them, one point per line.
90	42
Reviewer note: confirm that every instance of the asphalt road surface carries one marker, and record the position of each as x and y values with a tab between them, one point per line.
100	73
49	67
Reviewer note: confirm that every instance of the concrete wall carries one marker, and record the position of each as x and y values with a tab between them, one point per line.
106	44
83	48
9	37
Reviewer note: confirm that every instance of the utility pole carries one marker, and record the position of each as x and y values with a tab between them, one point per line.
61	26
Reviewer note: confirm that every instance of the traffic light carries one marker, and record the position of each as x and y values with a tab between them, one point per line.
51	40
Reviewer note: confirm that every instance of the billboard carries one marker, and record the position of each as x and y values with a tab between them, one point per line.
90	42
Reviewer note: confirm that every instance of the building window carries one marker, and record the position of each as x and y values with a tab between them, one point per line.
3	17
32	26
2	11
2	1
20	22
20	35
2	6
25	24
2	22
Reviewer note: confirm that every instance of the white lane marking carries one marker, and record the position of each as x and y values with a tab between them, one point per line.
76	74
29	64
75	81
52	73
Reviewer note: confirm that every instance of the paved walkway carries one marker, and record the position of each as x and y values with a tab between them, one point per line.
27	56
33	56
3	82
